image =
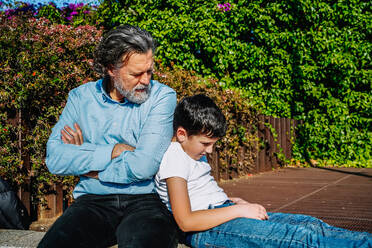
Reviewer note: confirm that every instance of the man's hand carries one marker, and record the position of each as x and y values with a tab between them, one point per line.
75	137
119	148
70	136
92	174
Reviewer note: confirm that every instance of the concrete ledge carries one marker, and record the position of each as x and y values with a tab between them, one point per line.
27	239
19	238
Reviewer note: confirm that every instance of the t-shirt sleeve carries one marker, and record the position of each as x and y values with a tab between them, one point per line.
175	163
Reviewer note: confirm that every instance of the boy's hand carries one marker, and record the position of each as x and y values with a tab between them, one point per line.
238	200
252	211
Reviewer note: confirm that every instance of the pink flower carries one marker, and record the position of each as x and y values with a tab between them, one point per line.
224	7
227	6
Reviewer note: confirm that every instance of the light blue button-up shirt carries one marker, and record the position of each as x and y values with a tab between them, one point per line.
104	123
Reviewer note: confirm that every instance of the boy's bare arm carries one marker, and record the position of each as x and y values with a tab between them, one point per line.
202	220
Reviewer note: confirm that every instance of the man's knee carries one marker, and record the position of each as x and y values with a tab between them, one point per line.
157	230
78	227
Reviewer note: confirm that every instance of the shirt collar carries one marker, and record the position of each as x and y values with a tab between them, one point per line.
101	89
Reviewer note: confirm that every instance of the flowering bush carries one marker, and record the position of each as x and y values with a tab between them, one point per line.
73	14
39	63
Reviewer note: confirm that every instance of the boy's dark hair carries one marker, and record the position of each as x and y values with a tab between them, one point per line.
199	115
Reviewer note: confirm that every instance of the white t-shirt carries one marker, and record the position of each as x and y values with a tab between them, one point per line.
203	189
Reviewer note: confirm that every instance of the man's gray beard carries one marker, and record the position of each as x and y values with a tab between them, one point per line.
132	95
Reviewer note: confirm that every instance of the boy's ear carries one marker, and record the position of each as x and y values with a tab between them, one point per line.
181	134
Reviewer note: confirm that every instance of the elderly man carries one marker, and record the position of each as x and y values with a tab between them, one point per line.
113	134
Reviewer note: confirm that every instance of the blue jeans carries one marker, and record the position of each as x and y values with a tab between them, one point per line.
281	230
100	221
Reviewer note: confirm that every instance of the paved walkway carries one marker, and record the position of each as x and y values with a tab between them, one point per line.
339	196
28	239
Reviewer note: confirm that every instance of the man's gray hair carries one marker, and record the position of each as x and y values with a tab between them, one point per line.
120	42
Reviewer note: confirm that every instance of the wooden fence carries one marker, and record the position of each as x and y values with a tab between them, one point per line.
274	137
277	135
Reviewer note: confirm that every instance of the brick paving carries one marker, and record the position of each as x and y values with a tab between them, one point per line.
339	196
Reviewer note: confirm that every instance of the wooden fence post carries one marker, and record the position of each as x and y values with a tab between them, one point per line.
213	160
287	150
54	207
269	143
283	140
261	139
272	145
24	191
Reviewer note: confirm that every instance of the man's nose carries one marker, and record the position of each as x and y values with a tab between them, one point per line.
145	78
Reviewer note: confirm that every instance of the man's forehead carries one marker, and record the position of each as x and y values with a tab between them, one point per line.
137	57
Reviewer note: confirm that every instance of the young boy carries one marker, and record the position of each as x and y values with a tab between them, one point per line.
208	216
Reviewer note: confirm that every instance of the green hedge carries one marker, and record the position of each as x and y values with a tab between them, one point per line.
41	62
308	60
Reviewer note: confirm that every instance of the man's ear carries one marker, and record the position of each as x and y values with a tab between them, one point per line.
110	70
181	134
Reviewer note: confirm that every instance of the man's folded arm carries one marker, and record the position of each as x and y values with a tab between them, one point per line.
143	162
70	159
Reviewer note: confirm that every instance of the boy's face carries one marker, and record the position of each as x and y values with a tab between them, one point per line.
196	146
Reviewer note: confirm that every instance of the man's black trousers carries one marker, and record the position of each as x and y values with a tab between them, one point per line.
104	220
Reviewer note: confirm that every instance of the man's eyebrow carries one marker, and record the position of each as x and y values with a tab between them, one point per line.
140	72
